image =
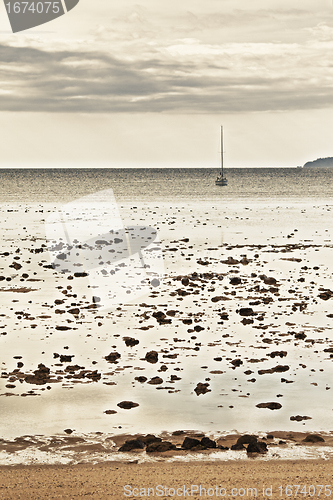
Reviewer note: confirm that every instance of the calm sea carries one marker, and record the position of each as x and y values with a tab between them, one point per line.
167	184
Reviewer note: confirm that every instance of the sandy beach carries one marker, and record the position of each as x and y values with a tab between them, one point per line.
165	480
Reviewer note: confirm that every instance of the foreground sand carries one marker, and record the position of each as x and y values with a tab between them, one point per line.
108	480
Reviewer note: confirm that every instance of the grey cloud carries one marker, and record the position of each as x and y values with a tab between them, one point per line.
95	82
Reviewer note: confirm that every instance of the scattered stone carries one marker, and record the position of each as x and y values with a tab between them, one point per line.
65	358
313	438
151	357
237	446
278	369
277	353
247	439
150	438
201	388
326	294
299	418
236	362
300	336
258	447
190	443
132	444
246	311
235	281
271	406
127	405
156	447
40	377
155	381
112	357
207	442
130	341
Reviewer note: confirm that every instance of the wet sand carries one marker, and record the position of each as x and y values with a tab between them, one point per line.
165	480
235	336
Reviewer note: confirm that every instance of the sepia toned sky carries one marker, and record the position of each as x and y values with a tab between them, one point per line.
148	84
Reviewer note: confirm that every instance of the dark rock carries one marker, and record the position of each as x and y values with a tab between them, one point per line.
237	446
127	405
112	357
277	353
110	412
299	418
268	281
235	281
208	443
271	406
278	369
313	438
198	328
40	377
141	379
201	388
155	381
130	341
66	358
246	311
150	438
217	298
160	447
326	294
190	443
236	362
300	336
68	431
132	444
80	275
247	439
247	321
158	315
151	357
75	311
16	266
258	447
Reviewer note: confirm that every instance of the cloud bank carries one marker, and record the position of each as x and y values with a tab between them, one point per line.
237	61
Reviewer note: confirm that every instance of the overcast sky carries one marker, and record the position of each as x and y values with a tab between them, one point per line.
149	84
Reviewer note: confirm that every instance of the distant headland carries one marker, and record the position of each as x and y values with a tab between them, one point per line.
320	162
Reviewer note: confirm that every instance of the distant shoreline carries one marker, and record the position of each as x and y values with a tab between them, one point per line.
320	162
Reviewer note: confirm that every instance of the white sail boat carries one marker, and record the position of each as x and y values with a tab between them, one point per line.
221	180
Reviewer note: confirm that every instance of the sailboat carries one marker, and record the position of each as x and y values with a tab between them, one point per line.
221	180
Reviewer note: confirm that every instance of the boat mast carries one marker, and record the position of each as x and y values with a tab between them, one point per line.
221	151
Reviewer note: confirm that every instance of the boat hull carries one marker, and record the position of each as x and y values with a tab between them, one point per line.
221	182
